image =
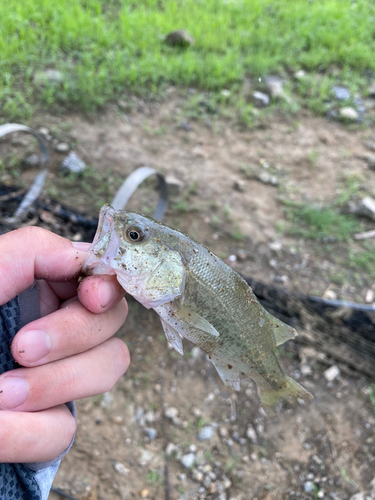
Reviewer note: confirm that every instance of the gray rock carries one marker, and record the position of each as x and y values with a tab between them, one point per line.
171	412
206	433
179	38
53	76
185	126
260	99
341	93
239	185
251	434
175	186
367	208
62	147
151	433
139	416
275	246
73	164
145	457
32	160
171	448
268	178
275	86
120	468
308	486
370	146
349	114
188	460
358	496
44	131
207	482
331	373
370	160
106	401
198	476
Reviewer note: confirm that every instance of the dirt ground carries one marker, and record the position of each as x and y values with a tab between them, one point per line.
325	449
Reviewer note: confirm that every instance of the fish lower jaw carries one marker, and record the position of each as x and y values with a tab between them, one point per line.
102	266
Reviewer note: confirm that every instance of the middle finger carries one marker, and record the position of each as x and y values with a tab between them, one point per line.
68	331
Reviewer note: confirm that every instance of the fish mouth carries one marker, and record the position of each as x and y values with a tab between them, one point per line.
104	246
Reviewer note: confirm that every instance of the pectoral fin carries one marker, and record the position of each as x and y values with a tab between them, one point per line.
173	337
196	321
229	375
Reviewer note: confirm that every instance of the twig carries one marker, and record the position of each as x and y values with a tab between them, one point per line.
165	441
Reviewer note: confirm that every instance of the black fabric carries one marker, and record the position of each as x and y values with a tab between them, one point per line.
17	482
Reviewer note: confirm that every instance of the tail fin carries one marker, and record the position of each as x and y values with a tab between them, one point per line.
290	391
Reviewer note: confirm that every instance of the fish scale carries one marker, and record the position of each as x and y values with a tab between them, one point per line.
198	297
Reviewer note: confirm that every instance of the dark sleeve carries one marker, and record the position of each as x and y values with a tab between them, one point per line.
22	481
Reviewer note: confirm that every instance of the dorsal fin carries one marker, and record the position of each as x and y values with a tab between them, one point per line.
281	331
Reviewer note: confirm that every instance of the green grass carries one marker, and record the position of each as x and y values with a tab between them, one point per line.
318	223
106	48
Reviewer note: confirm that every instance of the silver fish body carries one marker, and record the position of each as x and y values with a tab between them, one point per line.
197	296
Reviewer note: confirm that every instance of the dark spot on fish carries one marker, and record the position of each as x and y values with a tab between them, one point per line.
209	357
229	367
223	289
21	352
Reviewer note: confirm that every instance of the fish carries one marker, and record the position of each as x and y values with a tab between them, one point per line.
197	297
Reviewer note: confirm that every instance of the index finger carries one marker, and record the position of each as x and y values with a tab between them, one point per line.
33	252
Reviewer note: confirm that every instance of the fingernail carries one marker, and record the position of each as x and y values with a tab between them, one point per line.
81	245
33	345
13	392
107	290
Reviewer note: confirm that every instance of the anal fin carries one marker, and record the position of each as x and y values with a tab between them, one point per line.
228	374
173	337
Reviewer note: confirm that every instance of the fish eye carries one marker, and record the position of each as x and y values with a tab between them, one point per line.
135	234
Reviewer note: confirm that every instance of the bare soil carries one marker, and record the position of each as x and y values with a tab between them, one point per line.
328	446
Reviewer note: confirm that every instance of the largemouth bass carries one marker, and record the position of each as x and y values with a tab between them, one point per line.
197	297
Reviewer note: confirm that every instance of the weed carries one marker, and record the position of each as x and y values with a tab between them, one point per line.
153	477
352	187
86	42
365	259
237	235
318	223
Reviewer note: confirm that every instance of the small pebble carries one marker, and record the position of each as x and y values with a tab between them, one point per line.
251	434
275	246
329	295
121	469
62	147
188	460
308	486
331	373
151	433
171	412
349	114
369	299
260	99
205	433
232	258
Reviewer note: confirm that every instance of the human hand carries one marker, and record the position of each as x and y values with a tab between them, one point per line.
68	353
